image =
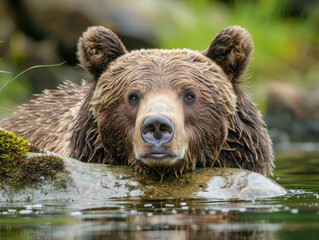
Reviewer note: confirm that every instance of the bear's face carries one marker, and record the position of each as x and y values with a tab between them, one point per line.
164	110
163	103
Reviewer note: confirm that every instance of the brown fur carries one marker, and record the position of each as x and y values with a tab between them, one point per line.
97	123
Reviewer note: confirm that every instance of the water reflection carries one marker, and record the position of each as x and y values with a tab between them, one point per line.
179	219
146	220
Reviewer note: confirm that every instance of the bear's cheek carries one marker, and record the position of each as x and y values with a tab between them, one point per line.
206	128
116	125
159	135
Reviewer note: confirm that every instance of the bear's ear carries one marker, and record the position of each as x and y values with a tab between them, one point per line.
230	49
97	47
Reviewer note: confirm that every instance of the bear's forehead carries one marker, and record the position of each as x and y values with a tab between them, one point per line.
162	57
178	71
160	62
164	69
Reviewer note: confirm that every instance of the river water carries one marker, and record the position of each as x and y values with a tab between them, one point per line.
294	216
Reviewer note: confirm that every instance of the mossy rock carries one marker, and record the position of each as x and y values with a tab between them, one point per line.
88	182
19	170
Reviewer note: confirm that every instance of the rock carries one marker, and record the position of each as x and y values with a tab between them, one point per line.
87	181
293	110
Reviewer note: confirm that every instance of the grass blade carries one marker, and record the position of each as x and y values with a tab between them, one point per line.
24	71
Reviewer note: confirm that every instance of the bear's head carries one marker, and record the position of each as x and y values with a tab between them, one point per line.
162	110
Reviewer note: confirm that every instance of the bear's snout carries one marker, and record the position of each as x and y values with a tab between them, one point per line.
159	136
157	130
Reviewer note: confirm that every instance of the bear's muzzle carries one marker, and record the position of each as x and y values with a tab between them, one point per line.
159	138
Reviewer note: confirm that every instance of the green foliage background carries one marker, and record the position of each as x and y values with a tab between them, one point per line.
286	47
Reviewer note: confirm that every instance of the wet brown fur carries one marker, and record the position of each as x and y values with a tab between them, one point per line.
95	123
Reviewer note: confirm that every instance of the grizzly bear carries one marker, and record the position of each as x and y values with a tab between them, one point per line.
160	111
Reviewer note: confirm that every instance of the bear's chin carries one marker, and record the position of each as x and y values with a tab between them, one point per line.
160	161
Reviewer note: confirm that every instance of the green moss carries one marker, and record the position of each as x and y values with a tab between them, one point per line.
12	147
34	170
18	171
35	149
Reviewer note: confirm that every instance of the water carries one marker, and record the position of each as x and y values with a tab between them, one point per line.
295	216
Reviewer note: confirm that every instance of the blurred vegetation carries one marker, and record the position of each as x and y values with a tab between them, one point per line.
286	41
286	47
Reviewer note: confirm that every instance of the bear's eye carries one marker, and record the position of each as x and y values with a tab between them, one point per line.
133	98
189	97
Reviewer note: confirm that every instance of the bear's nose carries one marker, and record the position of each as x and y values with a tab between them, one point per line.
157	130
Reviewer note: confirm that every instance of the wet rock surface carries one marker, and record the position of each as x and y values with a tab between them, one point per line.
87	181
